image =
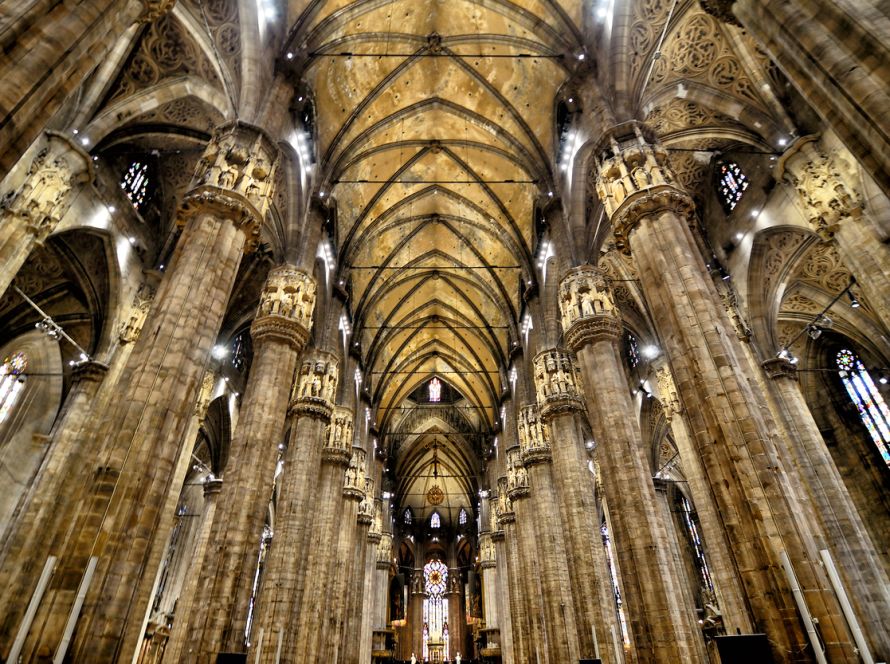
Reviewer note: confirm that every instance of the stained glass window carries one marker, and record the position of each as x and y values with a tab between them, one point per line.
731	185
697	547
12	382
265	542
610	563
435	520
435	390
407	517
632	349
435	609
869	402
462	517
135	183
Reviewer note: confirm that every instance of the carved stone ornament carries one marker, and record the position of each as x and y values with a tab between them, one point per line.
130	328
667	392
504	506
497	533
375	531
205	396
517	475
384	551
338	447
89	372
42	199
286	307
534	436
824	185
587	307
557	383
365	515
634	180
154	9
354	477
721	9
779	367
487	554
234	179
313	394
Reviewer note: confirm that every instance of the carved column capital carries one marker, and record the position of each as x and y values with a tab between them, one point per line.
517	475
155	9
89	372
234	179
587	307
132	327
43	196
384	550
634	179
504	506
212	487
338	449
825	184
487	553
779	367
534	436
721	9
494	525
376	525
286	307
557	383
313	394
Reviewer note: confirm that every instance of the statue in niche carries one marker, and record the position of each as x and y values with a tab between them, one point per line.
586	298
316	386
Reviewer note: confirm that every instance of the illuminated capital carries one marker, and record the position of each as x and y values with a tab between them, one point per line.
286	307
557	383
587	307
534	436
313	394
234	179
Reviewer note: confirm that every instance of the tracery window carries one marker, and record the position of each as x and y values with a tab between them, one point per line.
135	184
731	185
407	517
610	563
435	520
435	608
632	349
265	543
462	517
871	405
435	390
697	547
12	382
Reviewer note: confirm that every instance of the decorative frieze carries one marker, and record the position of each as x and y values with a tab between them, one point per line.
517	475
43	197
503	508
534	436
313	394
557	383
338	446
487	554
132	326
824	184
234	179
634	179
587	307
286	306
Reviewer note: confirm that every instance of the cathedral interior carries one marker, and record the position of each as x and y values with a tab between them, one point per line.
494	331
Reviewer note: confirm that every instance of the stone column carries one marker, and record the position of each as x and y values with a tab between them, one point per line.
31	210
368	614
727	583
518	582
173	652
279	600
47	51
846	538
502	587
558	386
488	570
122	524
41	518
834	52
660	625
556	628
833	206
217	621
651	214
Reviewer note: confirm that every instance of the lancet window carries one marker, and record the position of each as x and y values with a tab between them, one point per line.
692	531
731	185
631	349
407	517
435	520
435	610
435	390
610	563
12	382
135	184
864	393
462	517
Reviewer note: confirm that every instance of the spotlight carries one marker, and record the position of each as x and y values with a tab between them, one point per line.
589	445
650	351
883	380
814	331
854	303
219	352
